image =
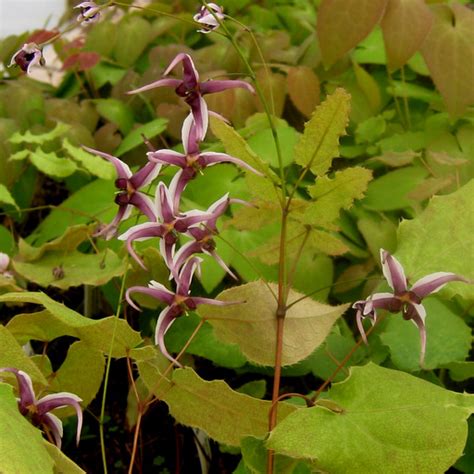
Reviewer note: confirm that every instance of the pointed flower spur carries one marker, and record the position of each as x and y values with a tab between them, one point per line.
178	303
129	196
404	299
192	90
38	411
28	56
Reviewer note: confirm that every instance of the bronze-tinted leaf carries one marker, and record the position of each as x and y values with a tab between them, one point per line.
405	25
303	88
343	23
449	54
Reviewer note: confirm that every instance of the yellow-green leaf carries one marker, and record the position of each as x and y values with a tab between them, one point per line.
405	25
6	197
449	54
224	414
252	323
343	23
319	143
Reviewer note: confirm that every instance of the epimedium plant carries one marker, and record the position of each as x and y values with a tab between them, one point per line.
299	221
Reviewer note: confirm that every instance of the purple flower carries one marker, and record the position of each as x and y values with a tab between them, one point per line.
404	299
203	236
90	12
178	303
128	195
167	224
193	161
38	410
28	56
207	19
193	91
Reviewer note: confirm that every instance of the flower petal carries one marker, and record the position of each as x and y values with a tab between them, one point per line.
25	387
168	157
123	170
186	275
144	204
211	158
418	318
189	136
160	83
145	175
200	115
161	294
434	282
111	229
393	272
165	320
190	74
55	426
209	87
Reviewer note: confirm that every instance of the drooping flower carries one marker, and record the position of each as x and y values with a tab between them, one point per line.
207	19
193	160
204	234
38	411
28	56
90	12
404	299
193	91
129	195
178	303
167	225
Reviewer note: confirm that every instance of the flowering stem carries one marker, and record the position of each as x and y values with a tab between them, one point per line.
140	412
107	373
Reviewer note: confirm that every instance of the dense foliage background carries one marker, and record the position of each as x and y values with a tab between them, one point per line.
390	82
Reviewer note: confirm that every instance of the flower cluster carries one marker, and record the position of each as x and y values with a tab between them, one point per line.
38	411
165	219
209	17
4	264
406	300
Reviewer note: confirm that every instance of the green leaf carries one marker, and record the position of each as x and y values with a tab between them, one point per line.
94	200
58	131
51	164
459	371
92	163
213	406
405	25
6	197
81	372
383	414
448	52
117	112
369	87
135	33
72	269
370	130
105	72
390	191
62	464
134	138
334	194
21	444
446	224
262	144
319	143
252	324
12	355
58	320
448	338
343	23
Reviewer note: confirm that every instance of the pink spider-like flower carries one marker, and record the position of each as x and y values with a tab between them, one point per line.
192	90
404	299
27	56
207	19
38	411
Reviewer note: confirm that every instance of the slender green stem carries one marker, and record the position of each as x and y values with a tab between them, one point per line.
107	373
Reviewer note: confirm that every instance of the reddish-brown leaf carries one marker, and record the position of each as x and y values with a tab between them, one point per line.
303	88
449	55
81	61
41	36
342	24
405	25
